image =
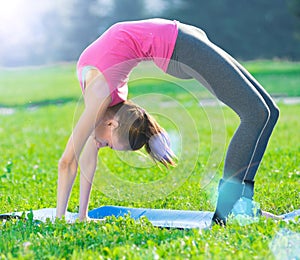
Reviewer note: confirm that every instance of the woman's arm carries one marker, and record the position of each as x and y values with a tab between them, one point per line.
97	98
88	163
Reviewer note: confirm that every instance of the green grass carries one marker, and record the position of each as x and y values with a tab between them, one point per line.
33	140
59	83
279	78
25	86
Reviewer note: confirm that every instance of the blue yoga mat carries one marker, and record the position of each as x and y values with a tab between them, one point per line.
164	218
171	218
158	217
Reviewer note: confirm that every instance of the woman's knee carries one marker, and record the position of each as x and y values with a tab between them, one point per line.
274	113
263	113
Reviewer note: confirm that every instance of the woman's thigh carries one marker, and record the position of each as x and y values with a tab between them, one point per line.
199	58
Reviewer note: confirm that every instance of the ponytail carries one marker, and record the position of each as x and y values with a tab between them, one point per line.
158	146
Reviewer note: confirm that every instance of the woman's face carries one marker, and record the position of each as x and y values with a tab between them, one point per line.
106	136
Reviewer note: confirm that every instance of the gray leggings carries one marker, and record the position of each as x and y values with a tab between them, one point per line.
196	57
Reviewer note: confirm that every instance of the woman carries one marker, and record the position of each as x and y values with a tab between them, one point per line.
185	52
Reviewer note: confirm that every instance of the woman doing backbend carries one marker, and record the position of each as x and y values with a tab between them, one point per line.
183	51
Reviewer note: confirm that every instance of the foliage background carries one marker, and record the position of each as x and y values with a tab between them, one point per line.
59	30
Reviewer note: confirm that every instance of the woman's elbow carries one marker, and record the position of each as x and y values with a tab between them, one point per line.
66	165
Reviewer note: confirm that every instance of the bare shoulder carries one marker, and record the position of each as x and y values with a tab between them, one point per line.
96	86
92	75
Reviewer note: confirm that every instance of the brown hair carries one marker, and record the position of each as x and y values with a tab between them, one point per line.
142	129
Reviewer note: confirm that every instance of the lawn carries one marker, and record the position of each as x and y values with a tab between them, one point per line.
46	103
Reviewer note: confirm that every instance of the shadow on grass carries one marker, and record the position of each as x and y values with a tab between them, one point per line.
42	103
11	109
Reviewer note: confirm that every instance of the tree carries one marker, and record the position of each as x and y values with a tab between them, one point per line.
246	29
294	7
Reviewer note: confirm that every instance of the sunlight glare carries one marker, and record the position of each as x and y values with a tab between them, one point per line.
21	27
13	19
9	9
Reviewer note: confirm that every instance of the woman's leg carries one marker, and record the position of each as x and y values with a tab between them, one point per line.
274	114
197	57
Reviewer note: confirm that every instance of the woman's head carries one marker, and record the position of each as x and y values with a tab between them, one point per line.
136	128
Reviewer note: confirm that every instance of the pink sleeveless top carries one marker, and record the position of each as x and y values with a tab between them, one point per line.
119	49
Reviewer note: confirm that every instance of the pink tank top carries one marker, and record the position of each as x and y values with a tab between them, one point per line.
119	49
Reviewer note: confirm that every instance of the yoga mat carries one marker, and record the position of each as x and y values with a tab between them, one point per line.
164	218
158	217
